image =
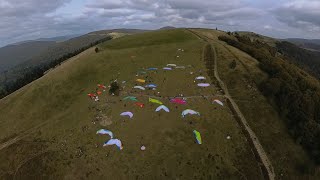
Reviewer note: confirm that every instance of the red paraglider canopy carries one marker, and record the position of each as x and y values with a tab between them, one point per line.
178	101
102	86
91	95
139	104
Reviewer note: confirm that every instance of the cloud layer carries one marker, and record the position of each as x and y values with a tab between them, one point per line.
29	19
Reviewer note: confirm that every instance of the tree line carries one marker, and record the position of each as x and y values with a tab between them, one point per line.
34	72
295	92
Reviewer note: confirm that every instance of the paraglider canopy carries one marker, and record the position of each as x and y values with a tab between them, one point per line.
141	80
162	107
172	65
127	113
152	69
104	131
101	86
139	104
167	68
116	142
99	92
200	78
151	86
132	98
203	84
218	102
189	111
178	101
139	87
197	135
155	101
91	95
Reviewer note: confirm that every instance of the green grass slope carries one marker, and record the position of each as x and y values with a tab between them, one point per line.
56	123
288	158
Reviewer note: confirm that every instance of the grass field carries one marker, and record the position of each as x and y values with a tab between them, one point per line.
58	122
288	158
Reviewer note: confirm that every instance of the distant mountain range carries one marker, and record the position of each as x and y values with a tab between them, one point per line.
29	50
52	39
310	44
14	54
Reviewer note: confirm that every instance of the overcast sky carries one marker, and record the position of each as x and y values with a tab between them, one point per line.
30	19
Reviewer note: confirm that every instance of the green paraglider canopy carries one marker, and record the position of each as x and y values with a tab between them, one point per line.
132	98
197	136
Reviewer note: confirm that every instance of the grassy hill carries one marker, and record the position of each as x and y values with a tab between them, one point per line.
56	123
48	128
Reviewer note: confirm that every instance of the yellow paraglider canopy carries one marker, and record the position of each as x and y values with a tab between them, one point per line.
141	80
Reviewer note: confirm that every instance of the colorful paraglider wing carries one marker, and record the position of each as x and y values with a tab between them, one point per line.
218	101
162	107
173	65
116	142
101	86
197	135
132	98
139	87
130	114
141	80
99	92
203	84
189	111
178	101
200	78
151	86
104	131
155	101
167	68
91	95
139	104
152	69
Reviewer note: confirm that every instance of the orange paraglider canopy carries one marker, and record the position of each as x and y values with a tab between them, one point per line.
99	92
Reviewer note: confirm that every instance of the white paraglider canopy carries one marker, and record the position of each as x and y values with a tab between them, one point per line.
218	102
116	142
127	113
172	65
189	111
203	84
139	87
200	78
104	131
162	107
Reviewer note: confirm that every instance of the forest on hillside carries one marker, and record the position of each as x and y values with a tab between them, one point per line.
308	60
33	69
295	92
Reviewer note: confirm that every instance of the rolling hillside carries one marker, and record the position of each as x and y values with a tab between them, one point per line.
48	127
12	55
310	44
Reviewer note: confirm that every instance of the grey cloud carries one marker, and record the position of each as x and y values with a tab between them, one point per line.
20	8
28	19
300	14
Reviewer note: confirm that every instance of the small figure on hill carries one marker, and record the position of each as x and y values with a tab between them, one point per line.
114	89
96	49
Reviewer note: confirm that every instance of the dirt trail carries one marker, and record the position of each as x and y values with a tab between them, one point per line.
267	166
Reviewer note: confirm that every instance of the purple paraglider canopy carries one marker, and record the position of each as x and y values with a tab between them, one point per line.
203	84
